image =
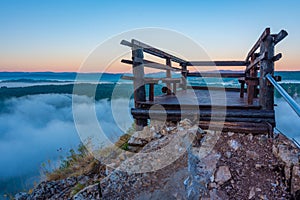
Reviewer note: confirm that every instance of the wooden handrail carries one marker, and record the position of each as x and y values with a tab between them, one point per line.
151	64
151	50
257	44
216	63
213	74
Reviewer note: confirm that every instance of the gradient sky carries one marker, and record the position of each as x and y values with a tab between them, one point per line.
57	35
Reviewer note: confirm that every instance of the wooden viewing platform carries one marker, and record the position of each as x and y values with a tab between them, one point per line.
249	108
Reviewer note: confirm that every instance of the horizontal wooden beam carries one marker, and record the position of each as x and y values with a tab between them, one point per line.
208	113
126	43
152	64
257	44
146	80
216	63
214	74
151	50
230	116
153	80
131	78
280	36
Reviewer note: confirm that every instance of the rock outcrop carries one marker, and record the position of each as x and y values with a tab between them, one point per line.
181	161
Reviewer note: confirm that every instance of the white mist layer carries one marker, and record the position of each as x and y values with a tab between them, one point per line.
38	128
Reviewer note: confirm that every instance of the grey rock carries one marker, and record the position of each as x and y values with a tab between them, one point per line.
222	175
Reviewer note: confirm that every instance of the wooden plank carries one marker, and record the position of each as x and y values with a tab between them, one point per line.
151	50
154	65
153	80
280	36
216	63
171	80
146	80
208	113
177	115
257	44
172	106
214	74
131	78
126	43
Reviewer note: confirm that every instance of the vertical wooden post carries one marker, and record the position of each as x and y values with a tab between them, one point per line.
251	83
183	76
168	75
138	83
151	91
266	90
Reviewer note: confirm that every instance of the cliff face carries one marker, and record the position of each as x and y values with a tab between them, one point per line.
180	161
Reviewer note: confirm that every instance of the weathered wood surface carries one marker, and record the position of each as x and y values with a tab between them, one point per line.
151	50
257	44
256	61
277	57
168	75
184	73
248	114
209	103
138	83
216	63
153	80
204	98
151	92
280	36
266	93
152	64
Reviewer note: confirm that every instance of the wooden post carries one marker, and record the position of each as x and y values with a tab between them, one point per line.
138	83
184	76
168	75
266	90
242	90
151	91
251	83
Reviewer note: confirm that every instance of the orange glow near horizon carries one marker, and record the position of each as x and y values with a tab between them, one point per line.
73	65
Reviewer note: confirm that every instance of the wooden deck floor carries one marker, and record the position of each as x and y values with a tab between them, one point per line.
204	98
209	105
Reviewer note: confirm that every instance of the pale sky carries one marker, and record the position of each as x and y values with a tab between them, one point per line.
58	35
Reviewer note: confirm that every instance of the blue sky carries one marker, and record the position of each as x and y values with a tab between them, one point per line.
56	35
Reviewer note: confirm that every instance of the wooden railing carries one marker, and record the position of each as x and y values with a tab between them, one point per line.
262	61
259	61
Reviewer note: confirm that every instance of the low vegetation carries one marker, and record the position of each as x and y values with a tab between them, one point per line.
82	162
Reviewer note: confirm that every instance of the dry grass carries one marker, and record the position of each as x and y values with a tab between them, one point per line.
82	162
76	164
